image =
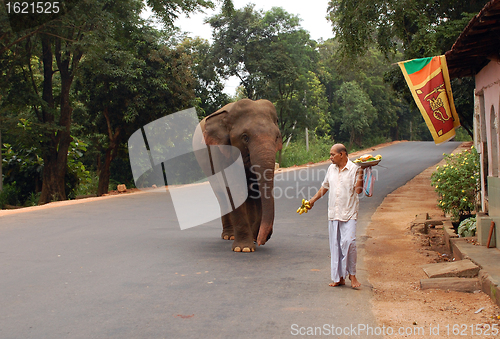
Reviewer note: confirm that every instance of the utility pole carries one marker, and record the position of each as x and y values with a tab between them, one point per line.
307	131
290	136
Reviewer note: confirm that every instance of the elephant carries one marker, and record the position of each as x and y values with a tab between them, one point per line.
252	128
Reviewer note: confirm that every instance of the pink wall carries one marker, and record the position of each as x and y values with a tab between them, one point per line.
488	85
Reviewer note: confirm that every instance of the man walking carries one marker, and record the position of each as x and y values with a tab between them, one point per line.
344	180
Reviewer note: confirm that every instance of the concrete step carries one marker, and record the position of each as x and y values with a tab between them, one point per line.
452	284
461	268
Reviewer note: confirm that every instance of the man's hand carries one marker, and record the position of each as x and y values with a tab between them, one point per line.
359	180
311	203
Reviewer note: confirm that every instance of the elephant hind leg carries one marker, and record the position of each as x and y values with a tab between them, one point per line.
227	228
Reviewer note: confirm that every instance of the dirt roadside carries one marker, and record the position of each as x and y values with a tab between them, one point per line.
393	256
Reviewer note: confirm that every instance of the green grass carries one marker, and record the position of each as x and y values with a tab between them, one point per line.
462	135
319	150
296	154
88	186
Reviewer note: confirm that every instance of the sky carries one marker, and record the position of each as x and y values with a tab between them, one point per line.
312	13
313	17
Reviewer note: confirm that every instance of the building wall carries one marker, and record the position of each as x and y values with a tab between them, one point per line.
487	97
488	89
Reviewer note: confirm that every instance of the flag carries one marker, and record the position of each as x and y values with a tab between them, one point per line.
429	83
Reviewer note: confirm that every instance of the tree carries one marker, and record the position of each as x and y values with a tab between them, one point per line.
272	56
317	105
285	63
417	28
209	87
60	45
135	81
356	112
368	72
233	36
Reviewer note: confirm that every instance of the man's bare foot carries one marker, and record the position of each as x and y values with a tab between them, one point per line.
335	284
354	282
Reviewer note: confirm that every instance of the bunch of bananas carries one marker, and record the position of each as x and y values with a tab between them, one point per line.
304	207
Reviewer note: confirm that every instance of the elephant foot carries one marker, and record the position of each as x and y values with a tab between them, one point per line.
227	236
244	248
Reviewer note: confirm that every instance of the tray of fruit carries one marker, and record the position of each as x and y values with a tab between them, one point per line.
368	160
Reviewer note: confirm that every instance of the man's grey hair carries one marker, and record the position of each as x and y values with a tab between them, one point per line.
339	148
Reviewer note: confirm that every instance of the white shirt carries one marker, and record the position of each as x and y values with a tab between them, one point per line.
343	201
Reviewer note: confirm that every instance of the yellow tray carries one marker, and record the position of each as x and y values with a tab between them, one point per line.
368	163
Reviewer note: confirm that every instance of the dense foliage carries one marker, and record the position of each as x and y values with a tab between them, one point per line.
73	89
408	28
458	182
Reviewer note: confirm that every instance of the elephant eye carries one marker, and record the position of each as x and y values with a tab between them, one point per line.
245	138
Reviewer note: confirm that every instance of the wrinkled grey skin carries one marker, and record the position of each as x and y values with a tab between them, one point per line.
252	127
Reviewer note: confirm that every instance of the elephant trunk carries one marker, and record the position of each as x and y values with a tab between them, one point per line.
263	160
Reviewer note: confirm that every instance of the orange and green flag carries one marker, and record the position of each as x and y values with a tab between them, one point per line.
429	83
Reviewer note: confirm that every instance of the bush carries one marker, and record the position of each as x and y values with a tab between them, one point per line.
22	168
77	177
467	227
457	182
32	199
296	154
87	186
9	195
462	135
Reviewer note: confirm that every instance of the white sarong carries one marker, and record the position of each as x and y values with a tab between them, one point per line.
342	248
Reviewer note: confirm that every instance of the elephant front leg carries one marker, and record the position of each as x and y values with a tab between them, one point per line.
243	241
227	228
243	234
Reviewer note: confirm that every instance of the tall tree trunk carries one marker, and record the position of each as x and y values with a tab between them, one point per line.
1	176
49	145
351	138
56	148
104	172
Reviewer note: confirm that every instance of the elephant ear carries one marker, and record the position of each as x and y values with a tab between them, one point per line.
215	129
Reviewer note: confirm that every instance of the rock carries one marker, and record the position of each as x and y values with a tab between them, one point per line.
421	218
121	188
460	268
453	284
419	224
433	222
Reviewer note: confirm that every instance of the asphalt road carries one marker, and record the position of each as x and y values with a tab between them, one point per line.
121	267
